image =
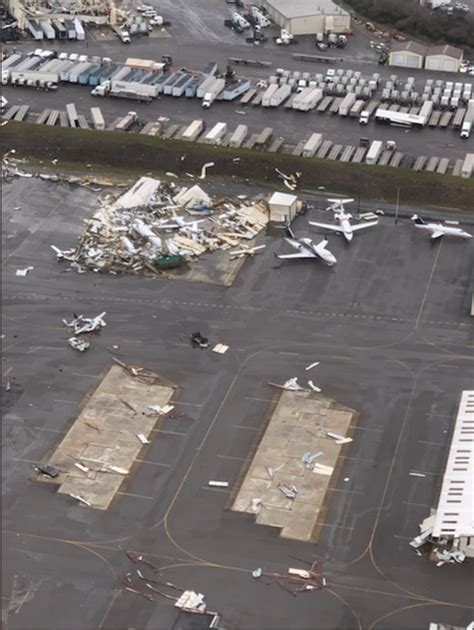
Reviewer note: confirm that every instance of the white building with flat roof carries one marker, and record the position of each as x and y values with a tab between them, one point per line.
308	17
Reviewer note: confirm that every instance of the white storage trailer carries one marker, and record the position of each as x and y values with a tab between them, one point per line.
97	119
237	138
127	121
299	98
34	78
134	86
374	152
72	115
346	104
192	132
213	92
48	30
312	145
426	110
280	95
216	133
80	33
467	169
311	100
267	95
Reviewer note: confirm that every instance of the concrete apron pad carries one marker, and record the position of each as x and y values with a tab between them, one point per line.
298	424
104	435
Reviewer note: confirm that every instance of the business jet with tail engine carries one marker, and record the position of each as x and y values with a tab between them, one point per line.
437	230
343	218
307	249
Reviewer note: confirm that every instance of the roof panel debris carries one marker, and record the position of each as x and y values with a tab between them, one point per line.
153	226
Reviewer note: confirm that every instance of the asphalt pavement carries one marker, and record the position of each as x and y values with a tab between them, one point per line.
389	324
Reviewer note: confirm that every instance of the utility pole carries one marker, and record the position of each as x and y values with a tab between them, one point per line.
397	207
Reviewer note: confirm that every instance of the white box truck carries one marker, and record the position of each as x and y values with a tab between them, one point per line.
374	152
267	95
467	169
468	120
213	92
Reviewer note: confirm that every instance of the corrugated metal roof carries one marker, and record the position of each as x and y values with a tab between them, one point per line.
305	8
455	512
449	51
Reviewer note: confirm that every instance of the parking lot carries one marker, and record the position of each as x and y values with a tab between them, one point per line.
390	326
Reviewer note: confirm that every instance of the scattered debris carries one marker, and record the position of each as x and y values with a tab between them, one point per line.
313	365
80	499
220	348
295	580
204	169
198	341
314	387
47	470
247	251
81	467
309	459
322	469
218	484
143	439
347	478
83	324
257	573
78	344
416	474
162	411
23	272
191	601
290	181
256	505
288	491
271	471
292	384
340	439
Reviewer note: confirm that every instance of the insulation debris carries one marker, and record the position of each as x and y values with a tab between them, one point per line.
220	348
23	272
314	387
312	365
340	439
78	344
289	491
147	230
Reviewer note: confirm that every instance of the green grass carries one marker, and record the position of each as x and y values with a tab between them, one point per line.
129	154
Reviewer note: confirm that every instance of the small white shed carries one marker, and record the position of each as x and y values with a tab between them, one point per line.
283	207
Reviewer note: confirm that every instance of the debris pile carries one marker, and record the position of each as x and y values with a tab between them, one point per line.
151	228
295	580
188	601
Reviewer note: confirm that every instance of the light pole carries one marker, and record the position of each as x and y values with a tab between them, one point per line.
397	207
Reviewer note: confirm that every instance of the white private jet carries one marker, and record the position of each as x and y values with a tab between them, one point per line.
345	226
437	230
307	249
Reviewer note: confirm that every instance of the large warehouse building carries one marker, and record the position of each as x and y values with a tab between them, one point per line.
444	58
407	55
308	17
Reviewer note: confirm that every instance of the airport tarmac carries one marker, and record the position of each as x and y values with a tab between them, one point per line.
390	325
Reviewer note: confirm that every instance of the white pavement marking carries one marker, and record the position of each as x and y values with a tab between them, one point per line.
66	402
215	489
239	426
188	404
169	432
267	400
403	537
85	375
238	459
49	430
345	491
431	443
147	461
423	505
136	496
424	472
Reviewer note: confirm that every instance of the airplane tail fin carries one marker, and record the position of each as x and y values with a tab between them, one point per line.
417	219
323	244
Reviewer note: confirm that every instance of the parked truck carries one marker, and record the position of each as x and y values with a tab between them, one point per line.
310	100
192	132
282	93
468	120
374	152
213	92
127	121
106	89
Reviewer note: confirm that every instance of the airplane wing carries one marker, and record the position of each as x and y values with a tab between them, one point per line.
436	235
326	226
361	226
298	255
